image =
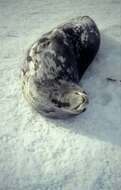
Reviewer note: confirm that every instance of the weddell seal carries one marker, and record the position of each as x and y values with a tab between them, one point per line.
55	64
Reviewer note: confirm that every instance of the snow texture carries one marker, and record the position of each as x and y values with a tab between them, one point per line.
81	153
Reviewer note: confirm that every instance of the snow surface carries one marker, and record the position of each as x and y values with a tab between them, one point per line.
81	153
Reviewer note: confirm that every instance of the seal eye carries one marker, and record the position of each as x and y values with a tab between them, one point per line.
60	104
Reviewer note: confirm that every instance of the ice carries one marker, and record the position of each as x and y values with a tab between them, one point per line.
81	153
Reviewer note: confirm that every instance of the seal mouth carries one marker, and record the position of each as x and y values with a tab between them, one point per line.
80	105
77	101
83	101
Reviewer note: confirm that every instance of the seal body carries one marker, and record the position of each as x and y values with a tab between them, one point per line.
55	64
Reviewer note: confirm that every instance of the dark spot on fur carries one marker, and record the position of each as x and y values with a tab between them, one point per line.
38	84
29	58
49	111
43	40
23	71
52	69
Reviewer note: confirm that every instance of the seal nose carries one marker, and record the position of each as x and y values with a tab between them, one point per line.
84	110
86	100
84	92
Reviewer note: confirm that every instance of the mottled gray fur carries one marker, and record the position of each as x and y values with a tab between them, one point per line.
55	64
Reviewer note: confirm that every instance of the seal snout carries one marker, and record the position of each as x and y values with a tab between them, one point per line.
77	100
81	101
84	97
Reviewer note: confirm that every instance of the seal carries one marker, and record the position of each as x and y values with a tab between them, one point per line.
54	65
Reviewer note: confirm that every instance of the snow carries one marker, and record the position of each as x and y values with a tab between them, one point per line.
81	153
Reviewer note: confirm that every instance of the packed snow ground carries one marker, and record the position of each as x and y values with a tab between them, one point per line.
82	153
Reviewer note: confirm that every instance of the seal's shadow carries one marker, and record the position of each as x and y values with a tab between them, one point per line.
102	117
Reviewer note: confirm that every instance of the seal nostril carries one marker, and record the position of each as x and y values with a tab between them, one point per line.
84	92
85	100
84	110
